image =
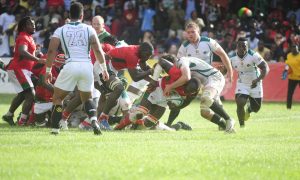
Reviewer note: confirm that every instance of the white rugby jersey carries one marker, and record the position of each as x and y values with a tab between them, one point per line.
203	50
247	66
75	40
198	67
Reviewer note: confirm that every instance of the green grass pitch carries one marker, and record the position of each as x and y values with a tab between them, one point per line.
267	148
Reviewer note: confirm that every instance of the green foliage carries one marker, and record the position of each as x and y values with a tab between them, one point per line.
267	148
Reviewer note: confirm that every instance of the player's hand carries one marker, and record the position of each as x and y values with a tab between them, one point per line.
167	90
254	83
48	77
152	86
105	75
41	61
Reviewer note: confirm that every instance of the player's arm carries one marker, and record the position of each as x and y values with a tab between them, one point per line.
185	77
264	67
225	59
95	44
23	51
43	83
51	54
138	74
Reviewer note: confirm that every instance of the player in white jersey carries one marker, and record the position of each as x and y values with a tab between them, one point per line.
76	39
203	48
249	83
213	82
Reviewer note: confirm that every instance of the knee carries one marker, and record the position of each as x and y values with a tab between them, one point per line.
118	89
255	108
205	112
206	101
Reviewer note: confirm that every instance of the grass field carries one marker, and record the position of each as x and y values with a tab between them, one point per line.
268	148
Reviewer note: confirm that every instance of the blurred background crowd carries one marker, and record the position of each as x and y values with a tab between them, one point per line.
271	26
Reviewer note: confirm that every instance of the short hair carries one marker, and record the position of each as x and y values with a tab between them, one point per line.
146	47
22	23
192	24
100	18
76	10
169	57
242	39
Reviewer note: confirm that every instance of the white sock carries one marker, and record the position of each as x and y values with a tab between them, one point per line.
9	113
24	116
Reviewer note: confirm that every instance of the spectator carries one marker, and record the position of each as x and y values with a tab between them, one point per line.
263	51
253	40
199	21
176	19
130	14
293	70
227	44
6	19
147	17
161	19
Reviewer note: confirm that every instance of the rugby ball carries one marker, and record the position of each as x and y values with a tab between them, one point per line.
175	99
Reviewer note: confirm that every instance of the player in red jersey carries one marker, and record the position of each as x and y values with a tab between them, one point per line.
44	91
155	104
128	57
19	70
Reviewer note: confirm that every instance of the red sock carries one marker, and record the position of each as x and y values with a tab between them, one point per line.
65	115
123	123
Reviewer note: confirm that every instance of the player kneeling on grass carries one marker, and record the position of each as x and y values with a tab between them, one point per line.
44	91
153	105
249	84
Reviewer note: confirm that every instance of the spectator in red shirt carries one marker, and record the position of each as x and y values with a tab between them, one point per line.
20	70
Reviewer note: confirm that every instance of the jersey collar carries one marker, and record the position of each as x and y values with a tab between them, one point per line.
74	23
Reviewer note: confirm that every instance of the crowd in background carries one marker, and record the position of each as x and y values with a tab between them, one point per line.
272	27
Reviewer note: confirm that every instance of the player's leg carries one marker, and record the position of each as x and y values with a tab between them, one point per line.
58	97
154	115
71	106
212	110
172	116
291	89
16	102
241	100
116	86
91	110
27	104
135	114
255	104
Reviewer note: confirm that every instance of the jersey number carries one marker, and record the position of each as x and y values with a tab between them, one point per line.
76	38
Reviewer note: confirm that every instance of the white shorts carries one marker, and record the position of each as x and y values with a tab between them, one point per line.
242	88
157	96
40	108
17	81
78	74
216	81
